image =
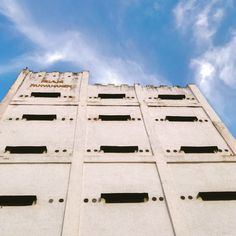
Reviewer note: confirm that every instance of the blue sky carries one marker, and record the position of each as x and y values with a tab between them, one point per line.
126	41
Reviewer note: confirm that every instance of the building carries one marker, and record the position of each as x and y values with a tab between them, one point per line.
101	160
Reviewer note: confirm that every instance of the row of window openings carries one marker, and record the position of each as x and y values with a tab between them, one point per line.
45	95
197	149
41	117
172	98
30	150
22	200
144	197
51	117
160	96
108	96
113	149
112	198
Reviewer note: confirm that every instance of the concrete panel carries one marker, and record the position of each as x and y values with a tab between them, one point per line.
100	218
66	84
173	135
116	133
94	112
57	135
213	217
220	126
96	94
153	96
63	113
49	184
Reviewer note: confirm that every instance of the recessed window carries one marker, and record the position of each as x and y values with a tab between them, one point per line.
45	95
119	149
39	117
18	200
217	196
125	197
181	118
111	95
26	149
199	149
171	96
114	117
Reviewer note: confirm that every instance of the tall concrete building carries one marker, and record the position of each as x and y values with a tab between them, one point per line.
106	160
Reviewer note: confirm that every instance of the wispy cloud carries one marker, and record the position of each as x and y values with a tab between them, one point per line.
73	47
200	18
182	11
213	67
218	63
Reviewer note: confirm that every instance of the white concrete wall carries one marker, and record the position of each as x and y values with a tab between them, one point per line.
69	178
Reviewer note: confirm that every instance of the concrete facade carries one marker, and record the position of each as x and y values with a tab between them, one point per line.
100	160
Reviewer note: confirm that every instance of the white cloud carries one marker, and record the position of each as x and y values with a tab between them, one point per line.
182	11
218	15
219	63
200	18
22	21
72	47
213	66
214	63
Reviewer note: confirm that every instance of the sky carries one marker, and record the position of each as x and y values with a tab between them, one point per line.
126	41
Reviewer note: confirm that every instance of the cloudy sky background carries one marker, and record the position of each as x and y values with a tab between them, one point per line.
126	41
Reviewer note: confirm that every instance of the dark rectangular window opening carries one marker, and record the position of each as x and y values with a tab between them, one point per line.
199	149
26	149
114	117
45	95
125	197
182	118
39	117
217	196
171	96
18	200
119	149
111	95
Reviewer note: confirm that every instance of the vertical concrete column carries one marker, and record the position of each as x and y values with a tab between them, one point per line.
12	91
216	121
166	179
73	206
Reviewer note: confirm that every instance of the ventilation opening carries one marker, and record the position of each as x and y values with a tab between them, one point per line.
114	117
17	200
182	118
26	149
45	95
171	96
202	149
39	117
111	95
119	149
125	197
217	196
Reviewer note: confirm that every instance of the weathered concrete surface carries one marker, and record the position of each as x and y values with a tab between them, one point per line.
164	143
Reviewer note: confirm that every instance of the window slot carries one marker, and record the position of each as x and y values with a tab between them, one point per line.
45	95
171	96
39	117
182	118
119	149
111	95
26	149
125	197
200	149
114	117
18	200
217	196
